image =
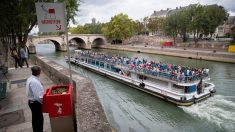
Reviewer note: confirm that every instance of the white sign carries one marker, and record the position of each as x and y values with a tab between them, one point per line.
58	106
51	17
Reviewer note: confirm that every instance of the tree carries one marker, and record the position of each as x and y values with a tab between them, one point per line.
183	22
233	34
93	28
171	26
106	30
145	21
87	29
196	19
155	24
214	15
73	30
20	16
205	19
119	28
139	27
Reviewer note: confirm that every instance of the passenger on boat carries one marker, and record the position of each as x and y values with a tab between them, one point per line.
169	71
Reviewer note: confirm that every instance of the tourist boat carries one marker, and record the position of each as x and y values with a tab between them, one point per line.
178	89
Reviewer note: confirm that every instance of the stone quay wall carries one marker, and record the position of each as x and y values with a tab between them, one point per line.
196	54
89	112
213	45
219	44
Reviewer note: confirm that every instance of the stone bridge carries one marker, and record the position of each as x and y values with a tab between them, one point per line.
84	41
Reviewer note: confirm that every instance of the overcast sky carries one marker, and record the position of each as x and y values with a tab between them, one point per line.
103	10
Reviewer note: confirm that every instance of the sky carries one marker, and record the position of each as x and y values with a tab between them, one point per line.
103	10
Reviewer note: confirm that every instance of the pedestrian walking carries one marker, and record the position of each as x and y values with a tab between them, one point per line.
16	57
24	55
34	92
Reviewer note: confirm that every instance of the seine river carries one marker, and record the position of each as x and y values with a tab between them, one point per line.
130	110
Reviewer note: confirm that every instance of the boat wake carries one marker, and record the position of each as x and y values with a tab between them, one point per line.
218	110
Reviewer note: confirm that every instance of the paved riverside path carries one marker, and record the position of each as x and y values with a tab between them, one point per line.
15	114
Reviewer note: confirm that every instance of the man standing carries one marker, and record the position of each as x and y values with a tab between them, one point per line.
24	55
34	92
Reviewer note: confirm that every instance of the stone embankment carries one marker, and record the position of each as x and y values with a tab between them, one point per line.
90	115
211	55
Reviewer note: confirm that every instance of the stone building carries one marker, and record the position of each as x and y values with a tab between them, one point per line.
161	13
223	30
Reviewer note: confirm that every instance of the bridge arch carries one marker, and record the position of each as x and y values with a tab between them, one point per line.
55	42
57	45
97	42
79	41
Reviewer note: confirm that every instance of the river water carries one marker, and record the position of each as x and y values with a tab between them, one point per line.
130	110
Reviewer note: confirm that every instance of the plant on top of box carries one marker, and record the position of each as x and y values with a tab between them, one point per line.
59	90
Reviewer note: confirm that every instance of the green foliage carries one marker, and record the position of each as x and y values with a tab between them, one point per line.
119	28
197	19
139	27
183	19
205	19
155	24
233	35
216	15
73	30
171	26
18	17
106	30
87	29
197	22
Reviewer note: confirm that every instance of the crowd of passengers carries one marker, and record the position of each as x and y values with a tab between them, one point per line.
170	71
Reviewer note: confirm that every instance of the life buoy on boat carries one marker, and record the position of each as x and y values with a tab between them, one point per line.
142	85
211	92
194	100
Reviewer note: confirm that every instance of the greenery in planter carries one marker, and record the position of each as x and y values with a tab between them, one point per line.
59	90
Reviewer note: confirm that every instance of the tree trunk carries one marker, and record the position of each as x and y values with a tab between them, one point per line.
25	38
194	37
174	36
210	35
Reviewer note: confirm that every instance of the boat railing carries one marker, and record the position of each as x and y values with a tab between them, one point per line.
145	71
172	76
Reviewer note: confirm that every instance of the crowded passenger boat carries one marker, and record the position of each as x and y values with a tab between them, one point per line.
175	83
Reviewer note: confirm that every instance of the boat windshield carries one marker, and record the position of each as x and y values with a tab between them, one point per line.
158	69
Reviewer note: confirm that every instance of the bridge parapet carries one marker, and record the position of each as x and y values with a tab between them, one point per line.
85	41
